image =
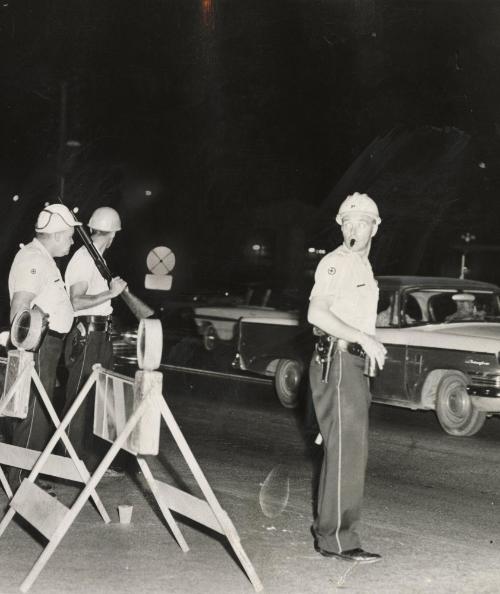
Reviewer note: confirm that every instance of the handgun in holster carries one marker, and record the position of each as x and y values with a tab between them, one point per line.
325	345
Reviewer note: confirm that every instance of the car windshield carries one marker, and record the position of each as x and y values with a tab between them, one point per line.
436	306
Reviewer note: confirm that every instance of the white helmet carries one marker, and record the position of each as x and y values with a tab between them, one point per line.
105	219
54	218
359	204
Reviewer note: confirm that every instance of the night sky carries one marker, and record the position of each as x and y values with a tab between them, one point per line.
248	121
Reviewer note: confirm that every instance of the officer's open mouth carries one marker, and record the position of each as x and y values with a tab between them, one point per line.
352	242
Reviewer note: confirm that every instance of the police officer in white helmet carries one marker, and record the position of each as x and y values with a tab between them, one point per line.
89	341
35	282
343	311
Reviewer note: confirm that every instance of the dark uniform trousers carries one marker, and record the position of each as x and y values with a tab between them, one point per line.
35	430
341	407
82	352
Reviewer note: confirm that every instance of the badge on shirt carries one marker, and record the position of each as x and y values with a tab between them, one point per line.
331	270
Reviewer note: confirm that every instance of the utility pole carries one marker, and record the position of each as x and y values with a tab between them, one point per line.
63	116
467	238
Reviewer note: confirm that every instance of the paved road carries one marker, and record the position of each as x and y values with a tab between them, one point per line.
431	508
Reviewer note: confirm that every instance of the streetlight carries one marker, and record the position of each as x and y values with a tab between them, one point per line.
467	238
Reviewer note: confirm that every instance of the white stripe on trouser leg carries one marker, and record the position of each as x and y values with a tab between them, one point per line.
339	475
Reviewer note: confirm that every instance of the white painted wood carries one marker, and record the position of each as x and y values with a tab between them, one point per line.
5	484
60	466
61	434
222	517
145	438
16	391
209	512
188	505
81	499
119	416
43	512
115	402
163	503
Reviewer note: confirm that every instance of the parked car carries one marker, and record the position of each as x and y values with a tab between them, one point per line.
179	335
277	347
435	361
217	321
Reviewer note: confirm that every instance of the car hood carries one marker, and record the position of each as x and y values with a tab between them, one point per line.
247	311
465	336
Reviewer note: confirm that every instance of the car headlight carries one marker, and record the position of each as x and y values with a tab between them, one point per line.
130	337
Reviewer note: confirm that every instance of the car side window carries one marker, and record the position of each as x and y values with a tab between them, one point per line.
412	313
386	315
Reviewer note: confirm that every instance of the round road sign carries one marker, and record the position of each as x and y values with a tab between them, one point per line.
160	260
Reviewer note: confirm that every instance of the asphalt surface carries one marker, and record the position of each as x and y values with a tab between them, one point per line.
431	508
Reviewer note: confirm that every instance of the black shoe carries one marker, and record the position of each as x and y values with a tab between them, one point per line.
358	555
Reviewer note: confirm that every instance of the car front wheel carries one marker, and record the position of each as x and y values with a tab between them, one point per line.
209	337
454	407
287	381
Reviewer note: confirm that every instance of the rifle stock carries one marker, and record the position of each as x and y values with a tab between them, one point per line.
136	306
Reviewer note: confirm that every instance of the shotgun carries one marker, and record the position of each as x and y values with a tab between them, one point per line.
136	306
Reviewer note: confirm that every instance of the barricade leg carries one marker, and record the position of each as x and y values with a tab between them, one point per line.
61	434
225	522
5	483
164	508
82	498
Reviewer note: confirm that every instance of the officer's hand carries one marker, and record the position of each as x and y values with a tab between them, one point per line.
45	316
116	286
374	349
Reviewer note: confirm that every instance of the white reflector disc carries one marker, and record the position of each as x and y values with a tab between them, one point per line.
149	344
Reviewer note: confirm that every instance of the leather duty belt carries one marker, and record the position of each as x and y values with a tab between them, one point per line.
325	349
55	334
327	343
96	323
353	348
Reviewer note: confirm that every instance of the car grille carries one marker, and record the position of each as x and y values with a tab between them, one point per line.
125	346
487	381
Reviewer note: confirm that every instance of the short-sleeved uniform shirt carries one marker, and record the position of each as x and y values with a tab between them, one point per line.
35	271
81	268
348	278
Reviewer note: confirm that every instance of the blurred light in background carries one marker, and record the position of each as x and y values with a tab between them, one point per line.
316	251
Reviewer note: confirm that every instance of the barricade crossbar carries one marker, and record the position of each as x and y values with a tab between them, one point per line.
127	413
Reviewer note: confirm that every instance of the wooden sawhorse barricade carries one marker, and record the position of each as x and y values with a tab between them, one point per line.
128	413
19	374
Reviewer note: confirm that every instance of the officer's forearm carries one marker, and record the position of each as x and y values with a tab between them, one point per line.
85	301
320	316
20	300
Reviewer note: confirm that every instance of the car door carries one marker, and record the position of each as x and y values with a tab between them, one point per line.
389	384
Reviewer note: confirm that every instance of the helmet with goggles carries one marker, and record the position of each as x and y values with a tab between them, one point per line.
54	218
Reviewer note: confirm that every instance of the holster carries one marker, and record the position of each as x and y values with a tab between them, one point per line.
325	348
75	343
